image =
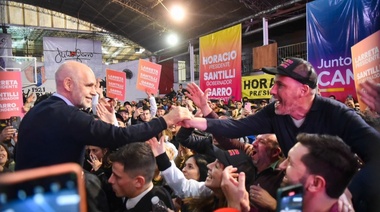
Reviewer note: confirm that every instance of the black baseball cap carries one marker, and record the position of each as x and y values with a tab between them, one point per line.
235	157
296	68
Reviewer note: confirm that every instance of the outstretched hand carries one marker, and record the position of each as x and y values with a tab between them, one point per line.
199	97
176	115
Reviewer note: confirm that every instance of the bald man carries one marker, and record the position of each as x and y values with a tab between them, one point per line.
56	131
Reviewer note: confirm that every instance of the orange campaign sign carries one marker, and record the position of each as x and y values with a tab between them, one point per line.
148	78
11	101
366	62
115	84
220	63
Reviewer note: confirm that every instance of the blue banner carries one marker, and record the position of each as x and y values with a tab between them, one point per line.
333	27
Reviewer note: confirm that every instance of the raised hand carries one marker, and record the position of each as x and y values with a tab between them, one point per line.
105	112
234	189
157	147
370	94
199	97
7	133
95	162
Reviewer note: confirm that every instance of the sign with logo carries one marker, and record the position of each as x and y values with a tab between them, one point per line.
333	27
257	86
220	63
148	77
366	62
115	84
59	50
11	101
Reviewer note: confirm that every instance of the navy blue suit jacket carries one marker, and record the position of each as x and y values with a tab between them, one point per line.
53	132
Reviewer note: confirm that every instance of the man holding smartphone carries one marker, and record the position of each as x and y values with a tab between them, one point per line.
8	135
324	165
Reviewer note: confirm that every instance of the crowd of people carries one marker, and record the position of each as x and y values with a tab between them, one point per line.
199	154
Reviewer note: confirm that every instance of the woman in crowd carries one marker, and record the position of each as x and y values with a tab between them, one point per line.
201	196
195	168
102	168
5	162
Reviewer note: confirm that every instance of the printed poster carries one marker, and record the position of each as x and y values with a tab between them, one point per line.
257	86
115	84
366	62
333	27
11	101
59	50
220	63
148	77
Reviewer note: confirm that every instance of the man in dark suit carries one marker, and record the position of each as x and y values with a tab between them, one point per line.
133	168
56	131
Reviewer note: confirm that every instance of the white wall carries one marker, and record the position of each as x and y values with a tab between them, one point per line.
131	92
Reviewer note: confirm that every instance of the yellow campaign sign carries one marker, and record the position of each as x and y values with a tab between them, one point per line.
257	86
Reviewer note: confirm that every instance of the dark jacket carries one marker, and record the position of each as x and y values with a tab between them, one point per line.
53	132
145	204
326	116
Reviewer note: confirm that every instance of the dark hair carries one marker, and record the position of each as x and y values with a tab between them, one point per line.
201	162
137	159
6	165
331	158
145	108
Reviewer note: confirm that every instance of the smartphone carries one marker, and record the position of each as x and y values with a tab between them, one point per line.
15	122
247	106
57	188
290	198
140	104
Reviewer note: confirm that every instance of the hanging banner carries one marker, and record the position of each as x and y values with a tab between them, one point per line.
59	50
115	84
332	28
220	63
366	62
148	77
257	86
11	101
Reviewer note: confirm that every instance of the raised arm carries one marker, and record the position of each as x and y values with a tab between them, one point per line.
153	104
174	177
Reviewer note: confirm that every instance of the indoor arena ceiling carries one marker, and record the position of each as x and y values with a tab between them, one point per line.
146	23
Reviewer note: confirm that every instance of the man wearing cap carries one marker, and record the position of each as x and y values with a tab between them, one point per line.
123	111
298	109
160	111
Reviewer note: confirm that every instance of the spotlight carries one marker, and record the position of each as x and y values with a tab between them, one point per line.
172	39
